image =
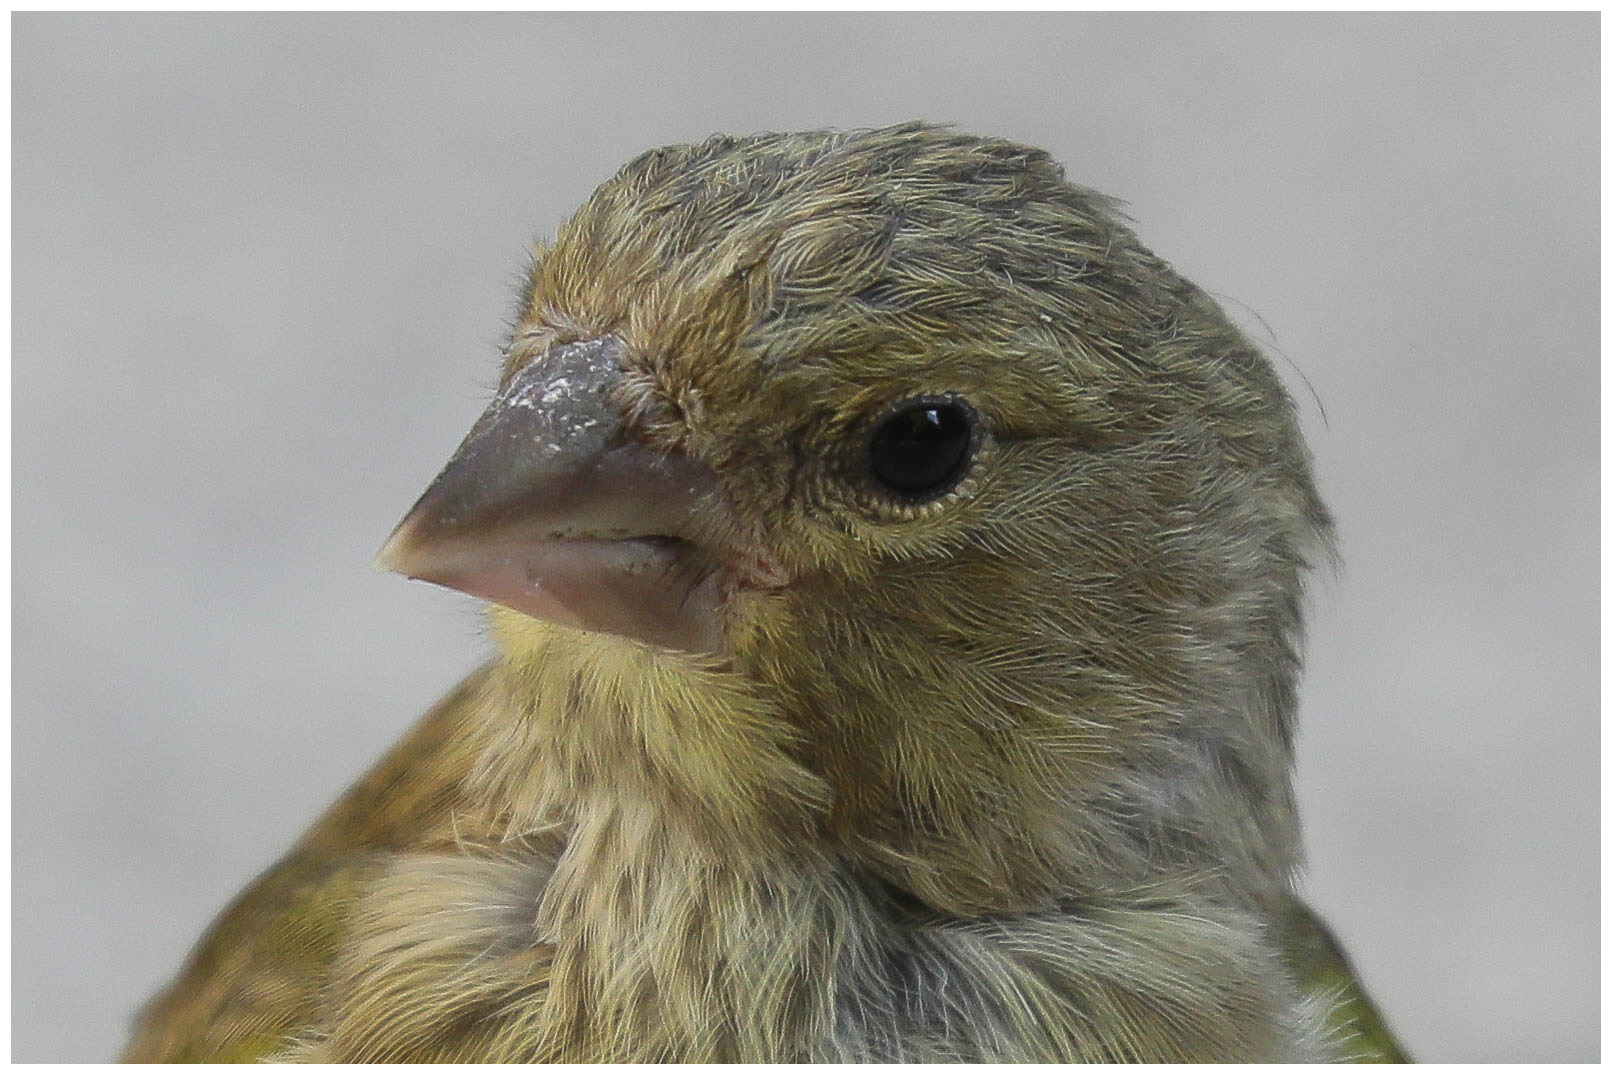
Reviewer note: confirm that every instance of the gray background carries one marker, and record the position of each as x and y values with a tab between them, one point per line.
261	269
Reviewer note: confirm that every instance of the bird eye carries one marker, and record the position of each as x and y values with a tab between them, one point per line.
921	450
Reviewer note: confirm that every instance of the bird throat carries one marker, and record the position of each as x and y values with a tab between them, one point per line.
680	824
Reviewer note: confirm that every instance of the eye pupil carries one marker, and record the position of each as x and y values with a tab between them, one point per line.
921	451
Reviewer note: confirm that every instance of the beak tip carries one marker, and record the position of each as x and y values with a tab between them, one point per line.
393	556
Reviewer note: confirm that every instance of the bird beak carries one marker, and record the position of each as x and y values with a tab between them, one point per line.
548	508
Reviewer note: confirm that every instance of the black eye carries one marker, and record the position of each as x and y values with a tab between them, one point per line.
921	450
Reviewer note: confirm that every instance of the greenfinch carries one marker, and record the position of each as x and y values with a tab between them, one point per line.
896	572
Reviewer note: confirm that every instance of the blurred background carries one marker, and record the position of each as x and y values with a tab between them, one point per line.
261	271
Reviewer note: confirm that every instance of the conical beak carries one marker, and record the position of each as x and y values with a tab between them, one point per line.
550	509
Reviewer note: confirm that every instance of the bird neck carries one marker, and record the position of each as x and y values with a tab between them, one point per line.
701	906
663	951
684	834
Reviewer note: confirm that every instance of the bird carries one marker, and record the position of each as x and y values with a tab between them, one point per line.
896	574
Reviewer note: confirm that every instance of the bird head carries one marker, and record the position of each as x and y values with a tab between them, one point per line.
908	441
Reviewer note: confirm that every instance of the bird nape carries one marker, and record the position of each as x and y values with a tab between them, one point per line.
896	574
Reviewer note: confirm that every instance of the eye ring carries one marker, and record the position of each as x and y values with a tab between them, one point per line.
922	448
